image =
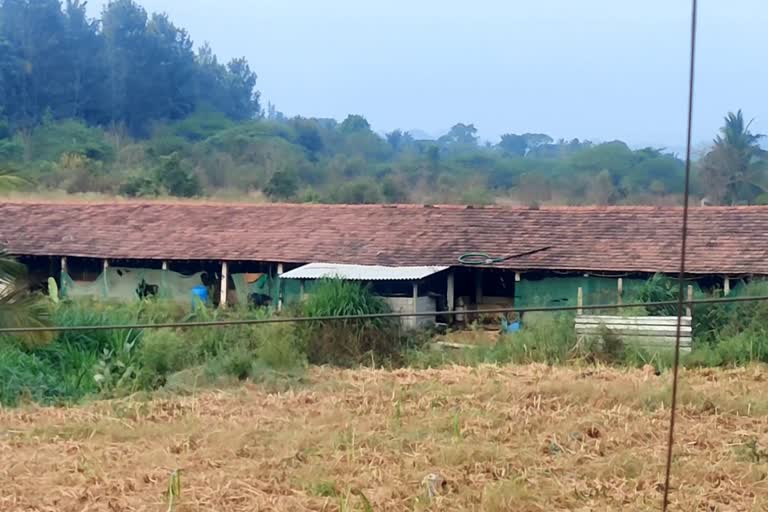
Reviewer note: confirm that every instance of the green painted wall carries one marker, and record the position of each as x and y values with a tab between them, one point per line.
563	291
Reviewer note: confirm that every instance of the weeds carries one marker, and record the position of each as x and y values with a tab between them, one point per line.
174	489
347	342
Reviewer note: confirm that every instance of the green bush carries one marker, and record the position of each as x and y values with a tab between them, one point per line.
550	340
26	376
162	353
347	342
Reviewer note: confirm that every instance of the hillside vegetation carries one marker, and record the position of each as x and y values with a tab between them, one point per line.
127	104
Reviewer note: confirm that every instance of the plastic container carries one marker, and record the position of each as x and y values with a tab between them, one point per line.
199	295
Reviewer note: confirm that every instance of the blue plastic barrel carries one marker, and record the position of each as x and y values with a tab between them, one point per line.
199	294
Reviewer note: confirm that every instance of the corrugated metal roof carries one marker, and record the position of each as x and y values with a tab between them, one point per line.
361	272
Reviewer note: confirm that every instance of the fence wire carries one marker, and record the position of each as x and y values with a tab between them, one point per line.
455	312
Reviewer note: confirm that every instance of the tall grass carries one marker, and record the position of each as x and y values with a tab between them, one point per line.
347	342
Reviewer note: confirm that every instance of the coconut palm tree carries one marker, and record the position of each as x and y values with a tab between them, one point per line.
735	169
18	308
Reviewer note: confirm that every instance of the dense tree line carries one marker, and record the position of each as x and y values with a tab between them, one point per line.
127	69
124	104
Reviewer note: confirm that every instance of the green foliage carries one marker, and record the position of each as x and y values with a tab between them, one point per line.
128	68
660	288
361	191
162	353
176	178
52	140
346	342
282	185
735	169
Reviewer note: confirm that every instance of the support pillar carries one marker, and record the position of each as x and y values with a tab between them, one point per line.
104	277
479	286
580	301
620	290
224	284
301	290
62	284
478	291
165	265
726	286
450	294
688	310
279	287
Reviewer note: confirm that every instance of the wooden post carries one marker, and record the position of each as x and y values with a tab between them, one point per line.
451	293
279	287
620	289
224	284
518	277
165	265
726	286
415	297
688	310
580	301
63	264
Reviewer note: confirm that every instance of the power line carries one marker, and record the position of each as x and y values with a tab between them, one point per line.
683	250
300	319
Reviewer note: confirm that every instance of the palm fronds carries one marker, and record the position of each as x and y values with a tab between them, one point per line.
18	307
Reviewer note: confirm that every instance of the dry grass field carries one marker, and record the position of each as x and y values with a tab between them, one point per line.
526	438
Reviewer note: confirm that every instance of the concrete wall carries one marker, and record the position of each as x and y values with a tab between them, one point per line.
405	305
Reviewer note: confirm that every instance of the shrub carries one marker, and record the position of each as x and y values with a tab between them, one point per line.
24	375
346	342
550	340
162	353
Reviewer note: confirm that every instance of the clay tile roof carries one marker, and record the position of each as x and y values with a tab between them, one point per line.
730	240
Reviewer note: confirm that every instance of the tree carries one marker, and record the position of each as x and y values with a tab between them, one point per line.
354	124
521	145
460	134
176	178
282	185
308	135
512	144
734	170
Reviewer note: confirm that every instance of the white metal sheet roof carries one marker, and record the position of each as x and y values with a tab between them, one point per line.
360	272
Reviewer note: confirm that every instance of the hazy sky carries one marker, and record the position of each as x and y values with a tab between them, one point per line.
594	69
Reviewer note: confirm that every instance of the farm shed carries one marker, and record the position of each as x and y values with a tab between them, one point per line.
405	289
233	247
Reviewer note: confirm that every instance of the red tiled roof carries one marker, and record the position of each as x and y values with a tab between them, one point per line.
641	239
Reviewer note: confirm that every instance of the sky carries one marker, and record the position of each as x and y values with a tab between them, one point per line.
593	69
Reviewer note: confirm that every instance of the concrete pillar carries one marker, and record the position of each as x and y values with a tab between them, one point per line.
580	301
451	292
165	265
224	284
280	287
104	277
301	290
726	285
415	297
620	290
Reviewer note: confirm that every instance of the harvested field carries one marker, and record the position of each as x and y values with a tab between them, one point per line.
514	438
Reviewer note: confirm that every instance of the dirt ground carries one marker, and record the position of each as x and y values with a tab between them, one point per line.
527	438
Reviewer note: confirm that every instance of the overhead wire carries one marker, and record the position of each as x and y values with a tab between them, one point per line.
454	312
683	251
